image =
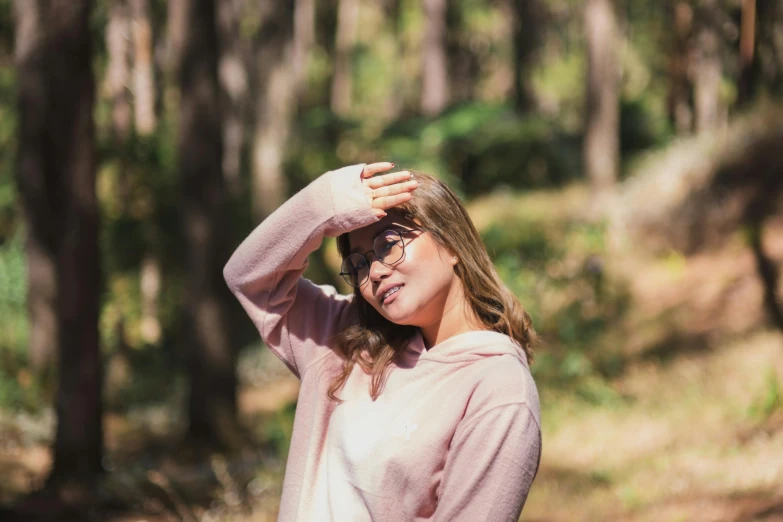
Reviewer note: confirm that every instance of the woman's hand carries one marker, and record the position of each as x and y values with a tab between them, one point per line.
389	190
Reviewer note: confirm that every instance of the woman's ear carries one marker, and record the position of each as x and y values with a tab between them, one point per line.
451	256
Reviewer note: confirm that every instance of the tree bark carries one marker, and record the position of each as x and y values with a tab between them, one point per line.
176	10
40	242
118	71
212	358
528	30
747	46
398	100
463	64
42	300
275	109
601	137
150	282
767	270
435	77
345	42
769	42
143	71
304	39
56	176
679	100
232	69
707	70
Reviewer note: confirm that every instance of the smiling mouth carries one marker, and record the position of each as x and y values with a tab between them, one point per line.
390	292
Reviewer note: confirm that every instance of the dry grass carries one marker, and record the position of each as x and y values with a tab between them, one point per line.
685	437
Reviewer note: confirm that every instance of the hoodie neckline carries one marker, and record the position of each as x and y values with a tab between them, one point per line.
471	345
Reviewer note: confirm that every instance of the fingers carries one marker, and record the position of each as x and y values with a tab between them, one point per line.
397	188
388	202
388	179
389	190
372	169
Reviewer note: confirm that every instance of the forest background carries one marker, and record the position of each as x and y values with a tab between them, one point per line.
621	159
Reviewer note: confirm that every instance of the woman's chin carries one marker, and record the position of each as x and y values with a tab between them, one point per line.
397	314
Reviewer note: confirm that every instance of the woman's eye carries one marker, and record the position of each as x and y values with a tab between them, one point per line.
387	245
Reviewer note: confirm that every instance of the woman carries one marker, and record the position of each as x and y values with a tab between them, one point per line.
416	400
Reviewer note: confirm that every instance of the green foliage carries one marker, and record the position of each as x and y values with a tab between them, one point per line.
278	428
770	399
13	298
20	390
554	265
642	126
9	204
7	25
148	380
478	147
316	146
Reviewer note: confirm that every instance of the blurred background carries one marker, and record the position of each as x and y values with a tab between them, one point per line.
621	159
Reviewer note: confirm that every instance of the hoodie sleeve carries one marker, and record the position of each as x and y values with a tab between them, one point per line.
295	317
491	465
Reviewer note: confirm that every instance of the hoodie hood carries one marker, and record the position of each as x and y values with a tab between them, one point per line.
468	346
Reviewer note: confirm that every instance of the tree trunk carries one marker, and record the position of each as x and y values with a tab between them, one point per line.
342	79
234	91
143	75
679	100
462	62
707	70
435	76
41	297
118	72
601	138
769	40
528	30
212	361
56	176
40	243
767	270
176	10
398	100
150	282
304	39
747	47
275	109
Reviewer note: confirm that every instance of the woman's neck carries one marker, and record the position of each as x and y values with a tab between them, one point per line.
457	317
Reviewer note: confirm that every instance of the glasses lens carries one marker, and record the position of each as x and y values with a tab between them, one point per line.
388	247
355	269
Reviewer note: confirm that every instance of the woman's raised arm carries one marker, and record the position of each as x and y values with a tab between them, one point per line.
295	317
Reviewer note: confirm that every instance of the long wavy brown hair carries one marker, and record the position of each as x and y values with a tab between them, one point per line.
374	342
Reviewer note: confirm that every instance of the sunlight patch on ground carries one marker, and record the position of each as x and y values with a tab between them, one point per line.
687	443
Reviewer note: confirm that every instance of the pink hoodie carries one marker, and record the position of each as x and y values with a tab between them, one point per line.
455	434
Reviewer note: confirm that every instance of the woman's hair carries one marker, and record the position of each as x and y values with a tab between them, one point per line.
374	342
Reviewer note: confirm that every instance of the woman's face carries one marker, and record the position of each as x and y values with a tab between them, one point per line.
428	285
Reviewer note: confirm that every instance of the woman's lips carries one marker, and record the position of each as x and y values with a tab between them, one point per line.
393	296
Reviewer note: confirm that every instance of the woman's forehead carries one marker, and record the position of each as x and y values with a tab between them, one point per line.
364	236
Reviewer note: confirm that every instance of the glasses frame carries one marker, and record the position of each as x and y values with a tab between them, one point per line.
400	232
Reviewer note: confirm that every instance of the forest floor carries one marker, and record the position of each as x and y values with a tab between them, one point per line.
693	430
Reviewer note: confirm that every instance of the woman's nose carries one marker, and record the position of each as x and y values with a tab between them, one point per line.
378	270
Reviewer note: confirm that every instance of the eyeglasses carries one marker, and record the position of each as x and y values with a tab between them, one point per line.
389	249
